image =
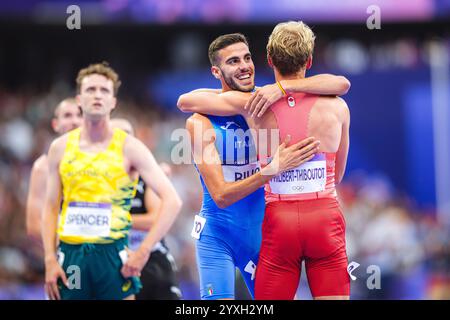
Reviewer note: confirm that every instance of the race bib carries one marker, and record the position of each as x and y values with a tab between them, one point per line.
88	219
251	268
308	177
232	173
199	224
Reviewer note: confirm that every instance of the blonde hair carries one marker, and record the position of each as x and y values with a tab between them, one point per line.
290	45
102	69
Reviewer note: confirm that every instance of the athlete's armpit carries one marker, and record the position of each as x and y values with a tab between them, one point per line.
344	145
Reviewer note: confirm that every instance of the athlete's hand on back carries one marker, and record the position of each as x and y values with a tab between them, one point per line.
262	99
53	272
287	158
135	262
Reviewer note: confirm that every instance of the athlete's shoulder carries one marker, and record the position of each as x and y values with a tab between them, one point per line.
60	142
342	107
198	119
339	108
334	103
58	146
131	142
40	165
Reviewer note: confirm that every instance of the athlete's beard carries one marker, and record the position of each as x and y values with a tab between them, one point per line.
231	82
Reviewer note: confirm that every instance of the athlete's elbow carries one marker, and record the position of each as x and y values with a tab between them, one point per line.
223	200
222	204
183	104
33	230
175	203
178	203
219	199
344	85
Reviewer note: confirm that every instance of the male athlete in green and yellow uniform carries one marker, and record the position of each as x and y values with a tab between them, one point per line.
94	169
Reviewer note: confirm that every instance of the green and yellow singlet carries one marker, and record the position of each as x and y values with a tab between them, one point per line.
97	193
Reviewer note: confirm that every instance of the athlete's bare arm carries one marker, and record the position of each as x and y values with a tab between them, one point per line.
216	91
146	221
234	102
223	104
36	197
208	163
53	270
342	153
142	160
322	84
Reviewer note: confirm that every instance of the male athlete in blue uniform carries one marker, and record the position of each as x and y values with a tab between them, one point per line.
228	227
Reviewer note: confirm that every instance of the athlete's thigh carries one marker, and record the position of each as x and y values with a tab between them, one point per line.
278	271
216	268
109	283
247	255
326	261
73	262
328	276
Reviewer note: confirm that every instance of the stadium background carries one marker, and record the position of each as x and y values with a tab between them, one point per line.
395	193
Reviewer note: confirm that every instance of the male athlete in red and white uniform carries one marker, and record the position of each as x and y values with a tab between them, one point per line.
303	219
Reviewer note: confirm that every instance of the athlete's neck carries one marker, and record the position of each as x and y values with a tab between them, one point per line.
225	87
96	130
298	75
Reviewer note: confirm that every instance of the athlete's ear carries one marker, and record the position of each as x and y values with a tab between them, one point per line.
269	61
309	63
55	125
216	72
114	103
78	100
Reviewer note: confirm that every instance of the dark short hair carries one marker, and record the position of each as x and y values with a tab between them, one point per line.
222	42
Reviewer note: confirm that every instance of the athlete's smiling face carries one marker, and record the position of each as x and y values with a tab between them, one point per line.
96	96
235	68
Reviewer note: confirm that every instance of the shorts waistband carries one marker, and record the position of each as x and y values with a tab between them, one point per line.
116	243
299	197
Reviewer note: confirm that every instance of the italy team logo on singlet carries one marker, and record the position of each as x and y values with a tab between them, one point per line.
238	151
